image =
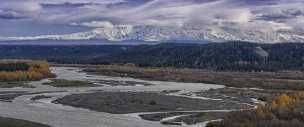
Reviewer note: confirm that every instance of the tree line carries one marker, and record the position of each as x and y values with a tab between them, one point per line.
230	56
24	71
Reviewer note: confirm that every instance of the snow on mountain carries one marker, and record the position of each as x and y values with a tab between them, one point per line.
170	33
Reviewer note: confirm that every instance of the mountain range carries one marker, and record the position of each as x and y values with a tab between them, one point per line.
165	33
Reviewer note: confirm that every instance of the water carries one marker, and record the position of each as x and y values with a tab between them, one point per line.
43	111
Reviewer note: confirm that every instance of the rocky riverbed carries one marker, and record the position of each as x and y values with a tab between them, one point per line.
121	101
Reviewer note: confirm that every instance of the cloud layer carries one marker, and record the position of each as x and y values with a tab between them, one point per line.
284	17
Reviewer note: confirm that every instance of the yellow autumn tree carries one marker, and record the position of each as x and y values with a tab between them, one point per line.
282	101
36	71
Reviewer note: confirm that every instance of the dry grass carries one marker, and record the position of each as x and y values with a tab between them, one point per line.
291	80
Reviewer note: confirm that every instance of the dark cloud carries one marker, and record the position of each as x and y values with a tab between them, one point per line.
10	15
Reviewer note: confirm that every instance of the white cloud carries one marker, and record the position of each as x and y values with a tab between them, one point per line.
245	16
20	6
95	24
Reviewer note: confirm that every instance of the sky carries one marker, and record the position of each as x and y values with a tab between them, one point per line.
30	18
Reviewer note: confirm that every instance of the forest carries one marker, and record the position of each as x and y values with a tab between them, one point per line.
24	70
230	56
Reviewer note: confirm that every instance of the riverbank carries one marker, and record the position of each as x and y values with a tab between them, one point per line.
9	122
123	101
283	80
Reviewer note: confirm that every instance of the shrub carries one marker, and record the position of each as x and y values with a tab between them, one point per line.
286	110
23	70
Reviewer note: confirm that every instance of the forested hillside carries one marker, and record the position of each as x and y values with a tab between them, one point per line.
218	56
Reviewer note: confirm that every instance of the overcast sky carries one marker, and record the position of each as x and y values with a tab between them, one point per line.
43	17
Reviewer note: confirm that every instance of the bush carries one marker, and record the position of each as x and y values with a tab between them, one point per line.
286	110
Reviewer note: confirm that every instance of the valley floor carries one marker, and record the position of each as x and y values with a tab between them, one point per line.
117	100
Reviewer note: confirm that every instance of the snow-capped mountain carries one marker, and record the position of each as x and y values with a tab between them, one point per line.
173	33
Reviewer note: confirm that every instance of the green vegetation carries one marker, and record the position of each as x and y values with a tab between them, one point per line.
8	122
69	83
13	66
235	56
204	116
286	110
23	70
